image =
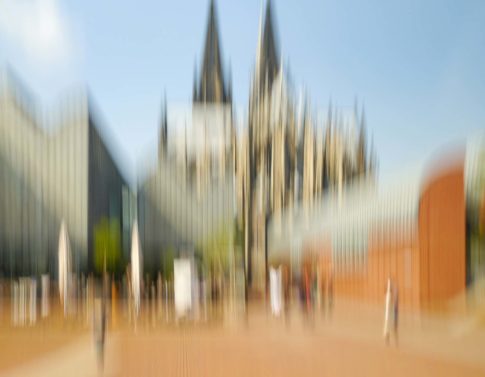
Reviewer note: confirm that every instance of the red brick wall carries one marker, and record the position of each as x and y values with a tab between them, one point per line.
389	256
427	265
442	236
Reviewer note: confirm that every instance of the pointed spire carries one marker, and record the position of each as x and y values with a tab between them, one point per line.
212	87
267	64
308	129
163	127
329	118
328	131
372	157
356	113
229	85
194	88
361	147
362	117
282	65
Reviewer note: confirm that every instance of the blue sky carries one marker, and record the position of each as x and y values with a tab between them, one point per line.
418	66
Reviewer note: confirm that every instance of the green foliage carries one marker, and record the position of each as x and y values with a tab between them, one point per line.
215	251
107	241
167	263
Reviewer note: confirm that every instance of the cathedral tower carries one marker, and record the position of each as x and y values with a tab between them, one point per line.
212	86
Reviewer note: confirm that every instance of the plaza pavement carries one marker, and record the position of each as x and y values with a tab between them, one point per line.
349	343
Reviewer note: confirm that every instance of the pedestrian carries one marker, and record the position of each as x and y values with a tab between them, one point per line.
308	292
387	311
309	296
274	292
286	287
323	293
314	290
396	313
302	293
330	294
100	330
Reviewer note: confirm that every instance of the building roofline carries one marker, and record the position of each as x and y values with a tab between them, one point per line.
65	104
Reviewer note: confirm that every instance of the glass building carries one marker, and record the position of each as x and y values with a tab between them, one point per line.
54	167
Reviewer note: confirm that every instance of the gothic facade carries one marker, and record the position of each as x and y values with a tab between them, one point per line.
292	156
207	151
285	155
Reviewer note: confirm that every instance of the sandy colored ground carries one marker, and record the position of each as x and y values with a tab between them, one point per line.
348	343
21	345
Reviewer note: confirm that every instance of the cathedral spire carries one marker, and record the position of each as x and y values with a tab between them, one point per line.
267	62
356	114
162	148
212	87
229	86
362	147
194	88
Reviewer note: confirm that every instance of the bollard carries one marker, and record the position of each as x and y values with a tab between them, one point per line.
152	304
22	301
166	300
15	304
44	312
87	300
159	295
32	301
1	300
114	317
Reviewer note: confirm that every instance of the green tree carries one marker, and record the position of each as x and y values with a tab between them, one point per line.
215	251
167	263
107	249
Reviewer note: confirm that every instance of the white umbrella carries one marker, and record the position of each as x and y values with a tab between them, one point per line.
64	265
136	267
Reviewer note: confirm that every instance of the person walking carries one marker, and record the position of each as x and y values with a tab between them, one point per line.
100	321
330	294
309	296
99	330
302	293
286	294
315	290
396	314
387	311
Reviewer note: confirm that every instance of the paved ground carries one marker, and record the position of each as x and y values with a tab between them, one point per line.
77	358
198	353
19	346
264	346
345	345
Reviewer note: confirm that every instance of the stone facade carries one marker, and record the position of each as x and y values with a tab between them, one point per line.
289	161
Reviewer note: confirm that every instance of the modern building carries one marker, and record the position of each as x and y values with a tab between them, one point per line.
54	167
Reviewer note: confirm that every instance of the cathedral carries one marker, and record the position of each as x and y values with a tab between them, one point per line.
206	154
292	156
286	156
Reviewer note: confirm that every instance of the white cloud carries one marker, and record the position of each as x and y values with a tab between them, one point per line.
37	27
